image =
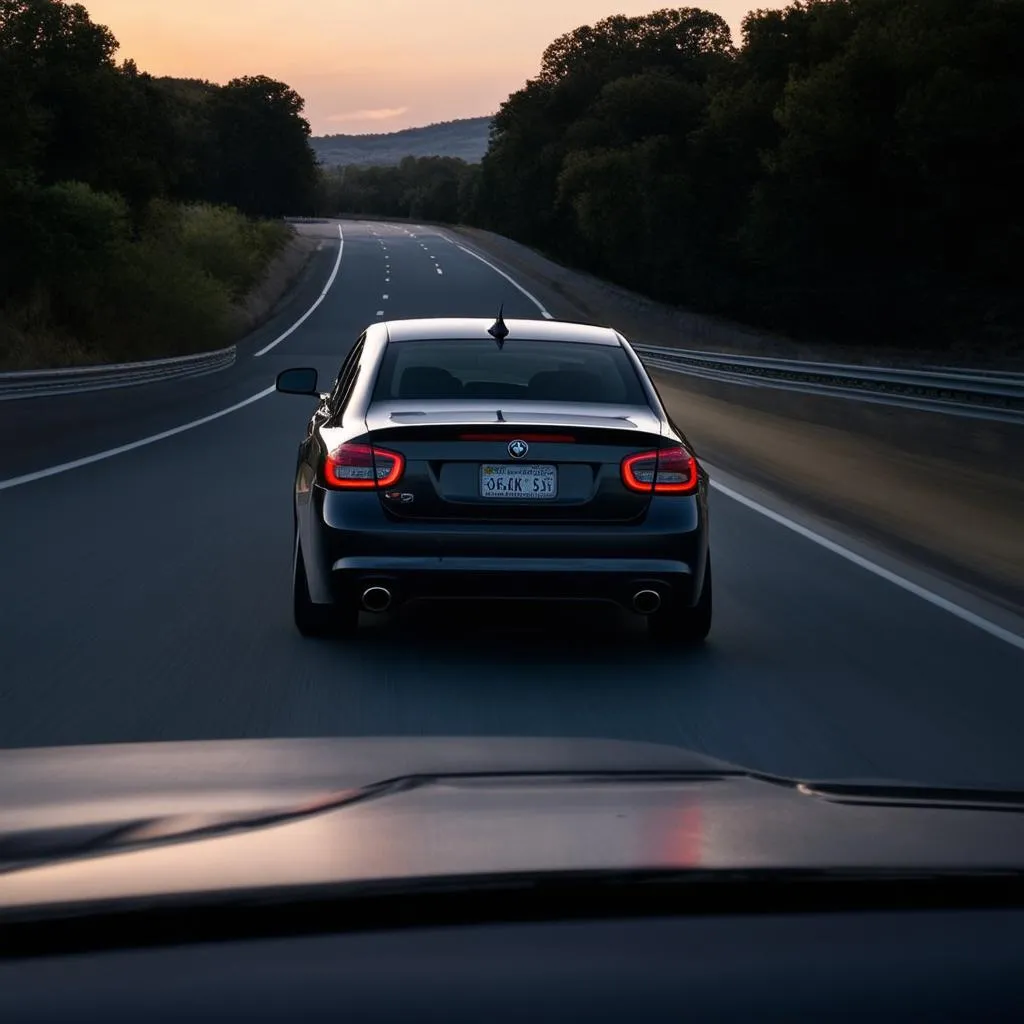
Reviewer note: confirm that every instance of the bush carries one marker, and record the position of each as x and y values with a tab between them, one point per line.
107	286
232	249
160	302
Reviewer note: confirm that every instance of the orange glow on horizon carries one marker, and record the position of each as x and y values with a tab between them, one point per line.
365	67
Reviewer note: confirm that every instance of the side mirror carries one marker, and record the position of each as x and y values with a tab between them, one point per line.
301	381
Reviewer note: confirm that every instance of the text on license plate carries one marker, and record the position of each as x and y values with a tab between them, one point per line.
508	481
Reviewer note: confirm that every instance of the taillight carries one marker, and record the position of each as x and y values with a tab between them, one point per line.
361	467
669	471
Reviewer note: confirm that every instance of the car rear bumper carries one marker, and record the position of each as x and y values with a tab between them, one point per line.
535	579
349	543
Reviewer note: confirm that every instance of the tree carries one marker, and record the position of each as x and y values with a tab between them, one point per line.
852	168
605	86
266	163
684	40
58	62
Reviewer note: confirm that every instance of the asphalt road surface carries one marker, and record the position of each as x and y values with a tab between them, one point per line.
146	595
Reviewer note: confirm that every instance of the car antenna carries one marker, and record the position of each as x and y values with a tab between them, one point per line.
498	331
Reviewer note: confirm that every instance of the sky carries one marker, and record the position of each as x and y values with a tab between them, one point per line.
367	65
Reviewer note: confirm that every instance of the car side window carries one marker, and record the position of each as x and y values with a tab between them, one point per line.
347	377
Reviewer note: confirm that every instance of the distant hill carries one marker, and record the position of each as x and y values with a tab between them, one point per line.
465	139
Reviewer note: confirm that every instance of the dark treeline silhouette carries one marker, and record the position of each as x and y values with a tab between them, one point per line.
435	188
115	188
854	167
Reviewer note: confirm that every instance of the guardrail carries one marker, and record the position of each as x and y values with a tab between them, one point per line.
81	379
983	394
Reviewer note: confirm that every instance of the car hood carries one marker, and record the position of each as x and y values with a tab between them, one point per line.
139	820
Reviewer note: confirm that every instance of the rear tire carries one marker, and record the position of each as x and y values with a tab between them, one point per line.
687	627
319	619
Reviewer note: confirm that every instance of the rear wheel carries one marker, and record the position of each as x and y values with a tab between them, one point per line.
338	619
673	623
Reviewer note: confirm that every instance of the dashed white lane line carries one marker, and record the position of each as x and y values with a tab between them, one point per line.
515	284
65	467
439	270
964	614
385	295
380	312
316	305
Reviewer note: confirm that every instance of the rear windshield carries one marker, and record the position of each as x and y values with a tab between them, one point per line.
522	370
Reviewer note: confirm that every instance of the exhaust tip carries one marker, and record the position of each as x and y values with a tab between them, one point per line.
646	602
376	599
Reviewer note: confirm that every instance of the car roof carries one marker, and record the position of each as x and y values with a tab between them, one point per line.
467	328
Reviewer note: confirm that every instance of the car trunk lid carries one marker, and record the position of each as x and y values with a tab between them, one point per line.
513	464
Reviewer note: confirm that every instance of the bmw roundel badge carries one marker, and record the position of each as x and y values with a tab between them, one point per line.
518	449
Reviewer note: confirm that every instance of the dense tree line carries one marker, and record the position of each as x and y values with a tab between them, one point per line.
111	182
854	165
421	188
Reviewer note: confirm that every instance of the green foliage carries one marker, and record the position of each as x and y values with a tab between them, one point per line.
164	284
156	300
853	167
266	165
423	188
230	248
119	193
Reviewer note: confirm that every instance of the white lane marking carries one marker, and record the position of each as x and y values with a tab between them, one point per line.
316	305
439	270
1013	639
380	312
64	467
385	295
515	284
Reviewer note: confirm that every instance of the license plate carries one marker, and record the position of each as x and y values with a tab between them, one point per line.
531	481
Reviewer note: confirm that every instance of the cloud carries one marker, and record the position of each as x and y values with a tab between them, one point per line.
378	114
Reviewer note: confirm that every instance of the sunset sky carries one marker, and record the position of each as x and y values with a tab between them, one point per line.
367	65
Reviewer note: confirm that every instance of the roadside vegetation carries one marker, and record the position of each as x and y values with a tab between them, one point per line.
134	211
437	188
851	170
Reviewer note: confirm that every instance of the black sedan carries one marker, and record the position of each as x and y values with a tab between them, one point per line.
456	458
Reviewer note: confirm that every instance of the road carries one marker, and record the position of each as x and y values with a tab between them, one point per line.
146	595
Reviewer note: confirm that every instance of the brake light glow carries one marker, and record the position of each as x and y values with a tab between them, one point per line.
529	438
360	467
668	471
